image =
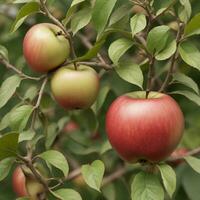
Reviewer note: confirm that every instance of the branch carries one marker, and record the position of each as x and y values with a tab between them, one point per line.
98	64
190	153
173	61
17	71
58	23
41	92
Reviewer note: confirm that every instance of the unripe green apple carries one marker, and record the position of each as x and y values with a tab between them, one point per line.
45	48
75	89
141	128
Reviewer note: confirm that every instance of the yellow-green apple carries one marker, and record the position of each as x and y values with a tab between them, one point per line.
45	47
26	185
75	89
144	129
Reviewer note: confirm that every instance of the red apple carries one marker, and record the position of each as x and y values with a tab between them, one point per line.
45	48
19	182
144	129
71	126
26	186
75	89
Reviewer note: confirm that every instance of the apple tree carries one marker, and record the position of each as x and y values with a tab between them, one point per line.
99	99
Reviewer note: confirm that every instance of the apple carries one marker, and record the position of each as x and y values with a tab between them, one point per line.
75	89
144	129
45	48
19	182
71	126
26	185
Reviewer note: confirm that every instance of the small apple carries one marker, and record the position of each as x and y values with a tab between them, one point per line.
45	48
141	128
19	182
71	126
26	185
75	89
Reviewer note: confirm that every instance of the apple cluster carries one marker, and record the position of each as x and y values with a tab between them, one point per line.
45	49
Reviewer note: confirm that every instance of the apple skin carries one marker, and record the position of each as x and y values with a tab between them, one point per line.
19	182
26	186
144	129
75	89
43	49
71	126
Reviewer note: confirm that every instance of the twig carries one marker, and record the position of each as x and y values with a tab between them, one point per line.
173	61
190	153
41	92
20	73
150	75
58	23
97	64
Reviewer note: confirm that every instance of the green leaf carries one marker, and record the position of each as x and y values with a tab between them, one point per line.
25	11
138	23
193	27
119	14
3	52
93	174
190	54
24	1
101	97
194	163
81	19
23	198
131	73
51	135
5	167
19	117
26	135
67	194
118	48
157	39
56	159
8	88
31	93
101	13
106	146
168	51
169	178
146	186
92	52
71	11
184	11
189	95
186	80
8	145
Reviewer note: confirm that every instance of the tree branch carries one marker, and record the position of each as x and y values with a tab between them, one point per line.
17	71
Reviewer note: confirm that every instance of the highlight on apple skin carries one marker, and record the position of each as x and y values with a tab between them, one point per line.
45	48
141	129
75	89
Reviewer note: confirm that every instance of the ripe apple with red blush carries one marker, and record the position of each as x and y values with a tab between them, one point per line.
45	47
26	185
75	88
141	128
